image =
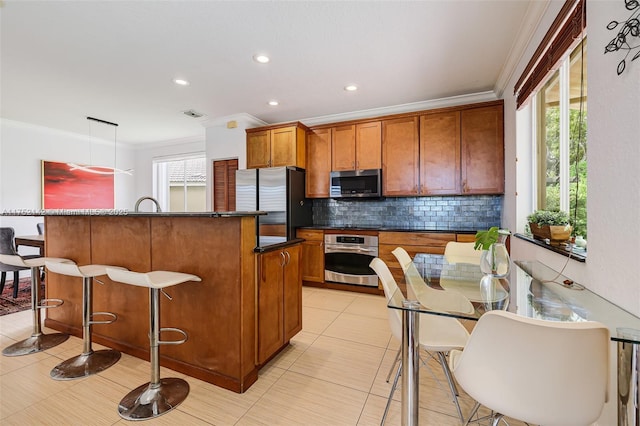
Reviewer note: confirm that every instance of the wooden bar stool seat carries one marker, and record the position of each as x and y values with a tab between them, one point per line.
159	396
38	341
89	361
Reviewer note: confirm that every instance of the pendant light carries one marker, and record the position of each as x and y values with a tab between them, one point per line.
103	170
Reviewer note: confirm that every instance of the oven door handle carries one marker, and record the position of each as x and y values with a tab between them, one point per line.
347	249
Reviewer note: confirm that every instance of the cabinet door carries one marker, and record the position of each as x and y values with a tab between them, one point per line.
292	292
440	153
270	304
400	156
318	163
483	150
258	149
369	145
224	185
343	148
283	147
312	261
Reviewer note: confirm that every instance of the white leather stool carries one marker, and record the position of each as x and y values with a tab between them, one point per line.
89	361
38	341
159	396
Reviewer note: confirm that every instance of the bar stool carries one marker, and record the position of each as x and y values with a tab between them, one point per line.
158	396
89	361
38	341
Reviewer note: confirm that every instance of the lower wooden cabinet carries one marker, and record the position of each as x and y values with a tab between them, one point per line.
279	300
312	262
413	243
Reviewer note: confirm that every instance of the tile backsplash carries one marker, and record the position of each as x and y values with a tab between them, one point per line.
455	213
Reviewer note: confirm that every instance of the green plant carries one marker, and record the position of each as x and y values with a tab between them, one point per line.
549	217
486	238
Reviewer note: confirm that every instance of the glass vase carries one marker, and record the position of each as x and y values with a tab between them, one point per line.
495	261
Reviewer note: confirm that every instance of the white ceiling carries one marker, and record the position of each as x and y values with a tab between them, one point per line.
62	61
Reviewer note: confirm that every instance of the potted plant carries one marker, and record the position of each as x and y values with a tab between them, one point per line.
495	258
552	225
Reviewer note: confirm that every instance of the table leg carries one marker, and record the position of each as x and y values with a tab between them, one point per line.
410	363
628	384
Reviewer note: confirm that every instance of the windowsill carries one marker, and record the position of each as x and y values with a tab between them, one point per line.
576	256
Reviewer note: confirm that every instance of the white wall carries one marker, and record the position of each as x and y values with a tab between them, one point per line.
23	146
225	143
613	113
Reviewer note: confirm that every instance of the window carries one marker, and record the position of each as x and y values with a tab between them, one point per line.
561	107
180	184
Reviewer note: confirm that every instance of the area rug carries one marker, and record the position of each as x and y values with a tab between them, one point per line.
9	305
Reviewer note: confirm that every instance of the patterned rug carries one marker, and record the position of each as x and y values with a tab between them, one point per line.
8	304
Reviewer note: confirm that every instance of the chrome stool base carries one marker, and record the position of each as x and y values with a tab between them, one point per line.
85	365
149	401
35	344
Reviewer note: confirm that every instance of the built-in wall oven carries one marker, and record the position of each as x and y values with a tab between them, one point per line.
347	258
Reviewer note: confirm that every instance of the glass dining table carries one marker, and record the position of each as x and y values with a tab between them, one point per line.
434	286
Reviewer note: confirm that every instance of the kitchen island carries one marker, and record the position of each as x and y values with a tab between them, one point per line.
219	314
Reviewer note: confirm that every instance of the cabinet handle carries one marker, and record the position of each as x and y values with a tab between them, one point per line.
288	257
284	259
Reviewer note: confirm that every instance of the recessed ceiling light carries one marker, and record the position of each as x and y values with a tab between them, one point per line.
351	88
263	59
274	103
181	82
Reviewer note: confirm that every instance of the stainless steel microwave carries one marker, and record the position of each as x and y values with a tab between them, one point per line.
356	184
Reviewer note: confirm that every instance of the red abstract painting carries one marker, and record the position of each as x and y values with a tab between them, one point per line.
72	186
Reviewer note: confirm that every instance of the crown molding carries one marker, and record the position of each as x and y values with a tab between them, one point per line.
249	119
530	22
402	108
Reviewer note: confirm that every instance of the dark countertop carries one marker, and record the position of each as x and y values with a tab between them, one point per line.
277	246
388	229
122	212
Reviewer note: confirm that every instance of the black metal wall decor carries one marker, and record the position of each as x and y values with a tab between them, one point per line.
628	33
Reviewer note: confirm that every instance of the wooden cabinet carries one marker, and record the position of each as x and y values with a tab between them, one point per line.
449	151
440	153
466	238
356	146
413	243
482	146
460	151
400	156
312	261
318	163
224	185
276	147
279	300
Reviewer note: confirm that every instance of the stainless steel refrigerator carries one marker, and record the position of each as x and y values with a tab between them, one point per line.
279	191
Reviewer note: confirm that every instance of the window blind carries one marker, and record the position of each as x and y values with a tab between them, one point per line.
566	29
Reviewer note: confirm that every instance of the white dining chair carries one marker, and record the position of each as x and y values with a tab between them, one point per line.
437	333
429	297
535	371
455	252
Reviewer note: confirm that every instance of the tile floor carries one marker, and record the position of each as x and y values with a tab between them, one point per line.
333	373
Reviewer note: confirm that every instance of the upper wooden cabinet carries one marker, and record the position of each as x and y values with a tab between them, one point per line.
482	150
440	153
283	145
318	163
449	151
356	146
400	156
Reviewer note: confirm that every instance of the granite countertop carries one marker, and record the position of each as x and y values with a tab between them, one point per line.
277	246
123	212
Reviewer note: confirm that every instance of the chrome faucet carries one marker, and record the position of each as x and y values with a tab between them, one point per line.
141	199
